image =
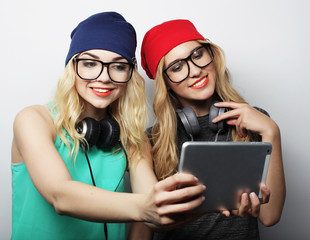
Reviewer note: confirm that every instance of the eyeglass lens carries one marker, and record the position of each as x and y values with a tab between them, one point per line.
89	69
179	71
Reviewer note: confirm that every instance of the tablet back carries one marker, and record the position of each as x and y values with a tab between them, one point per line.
227	169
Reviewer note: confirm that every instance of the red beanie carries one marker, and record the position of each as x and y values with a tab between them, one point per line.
159	40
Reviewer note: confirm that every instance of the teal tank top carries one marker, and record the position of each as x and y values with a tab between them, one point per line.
33	218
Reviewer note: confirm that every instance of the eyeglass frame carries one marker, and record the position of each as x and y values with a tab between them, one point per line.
76	59
206	45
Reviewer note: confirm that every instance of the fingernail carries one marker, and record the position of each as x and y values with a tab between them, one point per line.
245	196
265	187
204	187
203	198
253	195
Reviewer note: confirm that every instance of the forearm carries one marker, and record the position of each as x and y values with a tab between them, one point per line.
271	212
90	203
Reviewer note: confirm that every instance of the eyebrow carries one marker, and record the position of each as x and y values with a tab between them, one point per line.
97	57
180	59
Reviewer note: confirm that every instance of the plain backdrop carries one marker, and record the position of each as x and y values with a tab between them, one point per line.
267	47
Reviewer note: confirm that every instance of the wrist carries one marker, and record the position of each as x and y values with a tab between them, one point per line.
140	208
271	134
143	211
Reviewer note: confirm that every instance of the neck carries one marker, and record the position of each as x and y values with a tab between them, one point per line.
201	108
95	113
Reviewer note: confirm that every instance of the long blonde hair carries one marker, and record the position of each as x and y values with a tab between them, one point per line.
129	111
164	132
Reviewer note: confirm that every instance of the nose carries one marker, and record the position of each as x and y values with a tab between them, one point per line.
194	71
104	76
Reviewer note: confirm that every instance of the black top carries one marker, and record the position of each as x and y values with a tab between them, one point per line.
214	225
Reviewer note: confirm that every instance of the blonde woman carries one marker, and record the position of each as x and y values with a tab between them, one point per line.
69	157
191	71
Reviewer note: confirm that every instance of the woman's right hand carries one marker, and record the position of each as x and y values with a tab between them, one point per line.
250	204
172	197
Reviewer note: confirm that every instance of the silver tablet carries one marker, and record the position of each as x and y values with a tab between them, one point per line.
227	169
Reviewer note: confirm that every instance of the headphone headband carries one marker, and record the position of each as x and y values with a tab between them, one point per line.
191	124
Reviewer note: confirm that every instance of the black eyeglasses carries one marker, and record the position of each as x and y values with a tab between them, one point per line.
90	69
179	70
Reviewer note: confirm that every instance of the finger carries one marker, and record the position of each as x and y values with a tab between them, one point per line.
236	110
232	114
255	205
230	105
241	130
245	205
231	122
179	195
177	179
235	212
226	213
180	207
265	192
238	128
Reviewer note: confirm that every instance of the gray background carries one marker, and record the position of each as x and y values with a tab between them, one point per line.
267	48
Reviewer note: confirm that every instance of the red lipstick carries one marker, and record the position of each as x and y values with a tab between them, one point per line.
102	92
204	81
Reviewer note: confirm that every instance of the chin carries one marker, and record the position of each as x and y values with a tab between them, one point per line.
206	95
100	105
97	104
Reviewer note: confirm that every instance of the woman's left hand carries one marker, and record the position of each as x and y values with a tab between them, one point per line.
246	118
250	204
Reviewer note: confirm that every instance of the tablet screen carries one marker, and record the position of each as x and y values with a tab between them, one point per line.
227	169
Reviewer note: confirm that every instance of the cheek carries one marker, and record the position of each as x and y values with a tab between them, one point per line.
173	86
81	88
212	72
78	86
120	91
179	88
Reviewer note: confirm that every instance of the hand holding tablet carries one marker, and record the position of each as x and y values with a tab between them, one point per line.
227	169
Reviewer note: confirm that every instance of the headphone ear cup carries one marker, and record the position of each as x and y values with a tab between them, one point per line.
189	120
192	119
89	128
109	133
214	112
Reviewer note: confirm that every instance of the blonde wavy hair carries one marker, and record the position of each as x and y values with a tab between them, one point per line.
129	111
164	132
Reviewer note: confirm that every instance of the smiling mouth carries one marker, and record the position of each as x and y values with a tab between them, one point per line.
102	92
200	83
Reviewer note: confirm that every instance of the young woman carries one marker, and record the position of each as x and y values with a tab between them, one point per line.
69	157
191	71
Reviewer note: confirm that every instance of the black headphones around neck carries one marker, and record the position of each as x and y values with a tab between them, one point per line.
191	124
103	134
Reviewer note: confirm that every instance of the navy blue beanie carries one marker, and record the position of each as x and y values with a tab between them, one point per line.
107	31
